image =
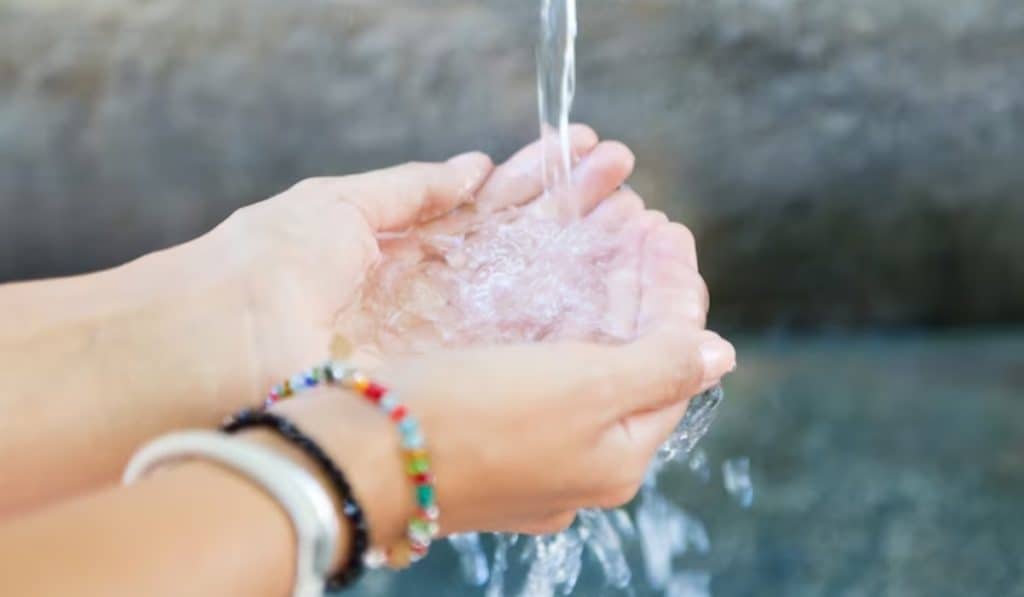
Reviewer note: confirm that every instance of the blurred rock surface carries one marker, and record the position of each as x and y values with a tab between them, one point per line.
841	162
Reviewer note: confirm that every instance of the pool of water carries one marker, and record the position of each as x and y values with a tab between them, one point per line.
882	465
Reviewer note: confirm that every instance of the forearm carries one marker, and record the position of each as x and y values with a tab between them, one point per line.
196	529
93	365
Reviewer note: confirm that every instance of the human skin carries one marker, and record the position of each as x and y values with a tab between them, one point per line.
527	435
95	365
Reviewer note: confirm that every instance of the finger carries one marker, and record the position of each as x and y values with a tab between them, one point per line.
671	289
662	368
520	179
600	173
396	198
623	285
652	428
612	213
595	178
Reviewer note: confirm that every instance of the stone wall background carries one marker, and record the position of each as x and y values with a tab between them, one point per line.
842	162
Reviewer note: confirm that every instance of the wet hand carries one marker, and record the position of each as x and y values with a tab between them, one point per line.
521	437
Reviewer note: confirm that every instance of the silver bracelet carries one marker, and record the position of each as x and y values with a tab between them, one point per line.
304	500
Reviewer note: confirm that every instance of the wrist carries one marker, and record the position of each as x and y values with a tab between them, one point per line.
191	303
287	449
365	446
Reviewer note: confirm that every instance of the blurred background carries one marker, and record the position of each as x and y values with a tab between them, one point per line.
851	169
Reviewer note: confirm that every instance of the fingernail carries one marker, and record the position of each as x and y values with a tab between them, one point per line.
719	358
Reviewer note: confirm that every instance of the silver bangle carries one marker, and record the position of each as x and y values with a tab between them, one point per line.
304	500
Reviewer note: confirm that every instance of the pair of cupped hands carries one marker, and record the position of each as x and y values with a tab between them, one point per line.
522	436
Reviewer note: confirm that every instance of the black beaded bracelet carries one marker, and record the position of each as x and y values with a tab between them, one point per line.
353	568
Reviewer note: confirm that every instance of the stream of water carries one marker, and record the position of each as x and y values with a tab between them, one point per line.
556	88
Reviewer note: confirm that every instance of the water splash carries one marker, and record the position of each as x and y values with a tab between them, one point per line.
499	565
736	474
555	563
696	422
606	545
472	558
699	466
689	584
666	531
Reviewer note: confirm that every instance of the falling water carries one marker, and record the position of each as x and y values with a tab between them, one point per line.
556	87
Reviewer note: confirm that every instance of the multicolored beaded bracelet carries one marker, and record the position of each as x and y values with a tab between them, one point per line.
423	527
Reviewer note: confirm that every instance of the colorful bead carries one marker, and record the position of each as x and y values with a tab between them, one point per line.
417	466
339	372
298	382
387	404
413	441
423	528
398	413
425	495
400	556
360	382
375	391
419	526
375	558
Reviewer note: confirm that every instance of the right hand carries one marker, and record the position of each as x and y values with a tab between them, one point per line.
523	436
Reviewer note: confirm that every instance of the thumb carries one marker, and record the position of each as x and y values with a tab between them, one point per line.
396	198
667	366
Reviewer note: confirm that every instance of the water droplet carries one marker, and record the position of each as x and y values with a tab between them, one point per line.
736	473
